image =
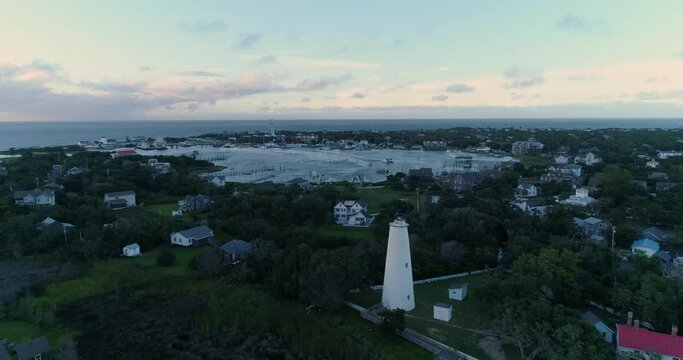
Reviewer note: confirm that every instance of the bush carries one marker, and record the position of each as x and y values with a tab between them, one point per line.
166	258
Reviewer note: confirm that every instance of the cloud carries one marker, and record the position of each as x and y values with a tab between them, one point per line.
326	63
247	41
358	95
577	23
440	97
399	44
306	99
265	59
459	88
660	95
145	68
520	78
203	27
584	77
320	83
198	73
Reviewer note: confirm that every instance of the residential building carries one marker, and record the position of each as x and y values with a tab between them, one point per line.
656	234
648	344
561	159
645	247
36	349
51	224
580	198
159	167
524	147
457	291
218	181
423	174
652	164
592	226
434	145
535	207
605	331
443	312
300	182
664	186
120	200
528	190
236	250
77	171
659	176
196	236
131	250
192	203
34	197
665	154
466	181
347	208
123	152
588	158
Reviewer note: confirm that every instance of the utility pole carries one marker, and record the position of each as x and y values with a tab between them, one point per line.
614	268
418	200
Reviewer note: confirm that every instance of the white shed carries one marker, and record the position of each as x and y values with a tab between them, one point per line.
457	291
131	250
443	312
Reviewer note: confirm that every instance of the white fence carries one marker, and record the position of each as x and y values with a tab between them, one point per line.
440	278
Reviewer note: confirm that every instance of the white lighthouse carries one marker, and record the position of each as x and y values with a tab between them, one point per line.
397	292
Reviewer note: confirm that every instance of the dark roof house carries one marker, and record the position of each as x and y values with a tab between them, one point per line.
35	349
236	250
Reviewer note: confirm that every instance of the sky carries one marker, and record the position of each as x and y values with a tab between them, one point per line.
355	59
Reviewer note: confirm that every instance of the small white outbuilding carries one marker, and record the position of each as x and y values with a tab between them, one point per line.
457	291
131	250
443	312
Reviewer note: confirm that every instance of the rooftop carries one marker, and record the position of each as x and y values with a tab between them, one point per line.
646	340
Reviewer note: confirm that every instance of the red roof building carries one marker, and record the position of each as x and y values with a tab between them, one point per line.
635	339
125	152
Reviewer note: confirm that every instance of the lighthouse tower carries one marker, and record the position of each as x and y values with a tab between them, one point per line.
397	292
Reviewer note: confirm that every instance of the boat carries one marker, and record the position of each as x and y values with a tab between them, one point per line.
388	161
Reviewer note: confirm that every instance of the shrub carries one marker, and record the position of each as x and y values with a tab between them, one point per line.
166	258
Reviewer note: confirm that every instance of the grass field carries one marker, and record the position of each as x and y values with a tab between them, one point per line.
21	331
467	314
376	197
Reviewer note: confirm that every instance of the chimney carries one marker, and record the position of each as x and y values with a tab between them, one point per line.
636	323
629	319
674	330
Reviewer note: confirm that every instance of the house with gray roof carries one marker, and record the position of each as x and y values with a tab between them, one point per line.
36	349
607	333
120	200
236	250
656	234
34	197
196	236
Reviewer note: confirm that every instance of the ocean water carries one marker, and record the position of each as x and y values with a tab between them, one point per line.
21	134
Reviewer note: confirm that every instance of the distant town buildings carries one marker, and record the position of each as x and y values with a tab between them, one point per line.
665	154
434	145
525	147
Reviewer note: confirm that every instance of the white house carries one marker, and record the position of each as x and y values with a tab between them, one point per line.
604	330
218	181
647	247
457	292
350	211
196	236
34	197
120	200
561	159
443	312
580	198
653	164
588	158
131	250
177	212
528	190
360	218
